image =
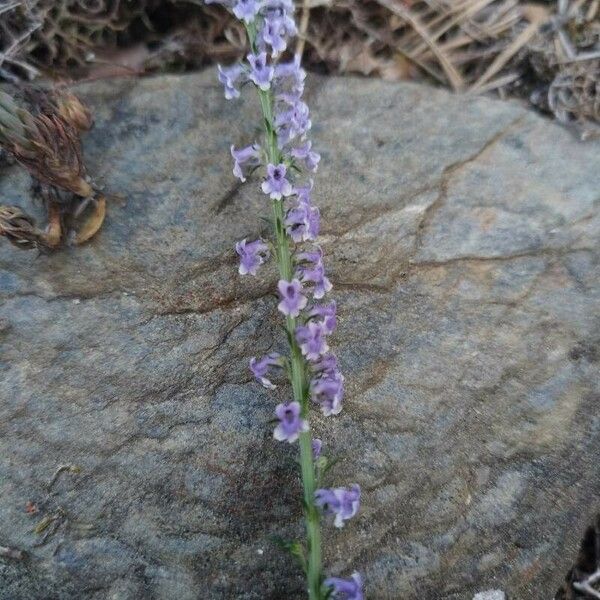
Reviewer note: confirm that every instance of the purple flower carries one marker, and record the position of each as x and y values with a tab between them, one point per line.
346	589
282	6
303	221
311	339
327	385
341	502
229	76
328	314
314	274
292	298
260	73
276	184
304	191
293	122
316	446
252	255
260	368
273	33
311	159
328	392
327	366
290	76
250	156
290	424
246	10
315	257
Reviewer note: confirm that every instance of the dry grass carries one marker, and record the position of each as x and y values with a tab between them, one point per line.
550	51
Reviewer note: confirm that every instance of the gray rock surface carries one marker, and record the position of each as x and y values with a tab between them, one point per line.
462	236
490	595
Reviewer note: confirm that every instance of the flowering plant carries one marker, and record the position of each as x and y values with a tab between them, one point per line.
284	156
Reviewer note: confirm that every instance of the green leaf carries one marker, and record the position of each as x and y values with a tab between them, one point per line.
330	463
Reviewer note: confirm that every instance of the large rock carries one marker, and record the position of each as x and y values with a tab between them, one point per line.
462	236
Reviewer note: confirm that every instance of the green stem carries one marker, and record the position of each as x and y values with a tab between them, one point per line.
298	364
299	386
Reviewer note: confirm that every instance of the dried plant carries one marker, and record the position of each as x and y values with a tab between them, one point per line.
19	228
45	144
66	36
549	52
44	138
37	34
566	58
467	45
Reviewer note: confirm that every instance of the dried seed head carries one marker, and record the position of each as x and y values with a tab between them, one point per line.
19	228
46	145
57	158
73	110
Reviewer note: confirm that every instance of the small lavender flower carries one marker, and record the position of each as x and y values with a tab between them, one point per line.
282	6
305	153
310	213
317	446
292	298
303	221
260	73
229	77
314	274
327	312
346	589
276	185
341	502
304	192
246	10
248	156
328	392
326	366
260	368
290	423
311	339
273	34
290	77
252	255
293	122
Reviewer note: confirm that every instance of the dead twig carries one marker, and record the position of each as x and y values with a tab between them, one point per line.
537	16
454	77
62	469
303	28
49	525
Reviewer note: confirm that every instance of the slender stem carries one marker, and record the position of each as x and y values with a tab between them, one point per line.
298	369
298	364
